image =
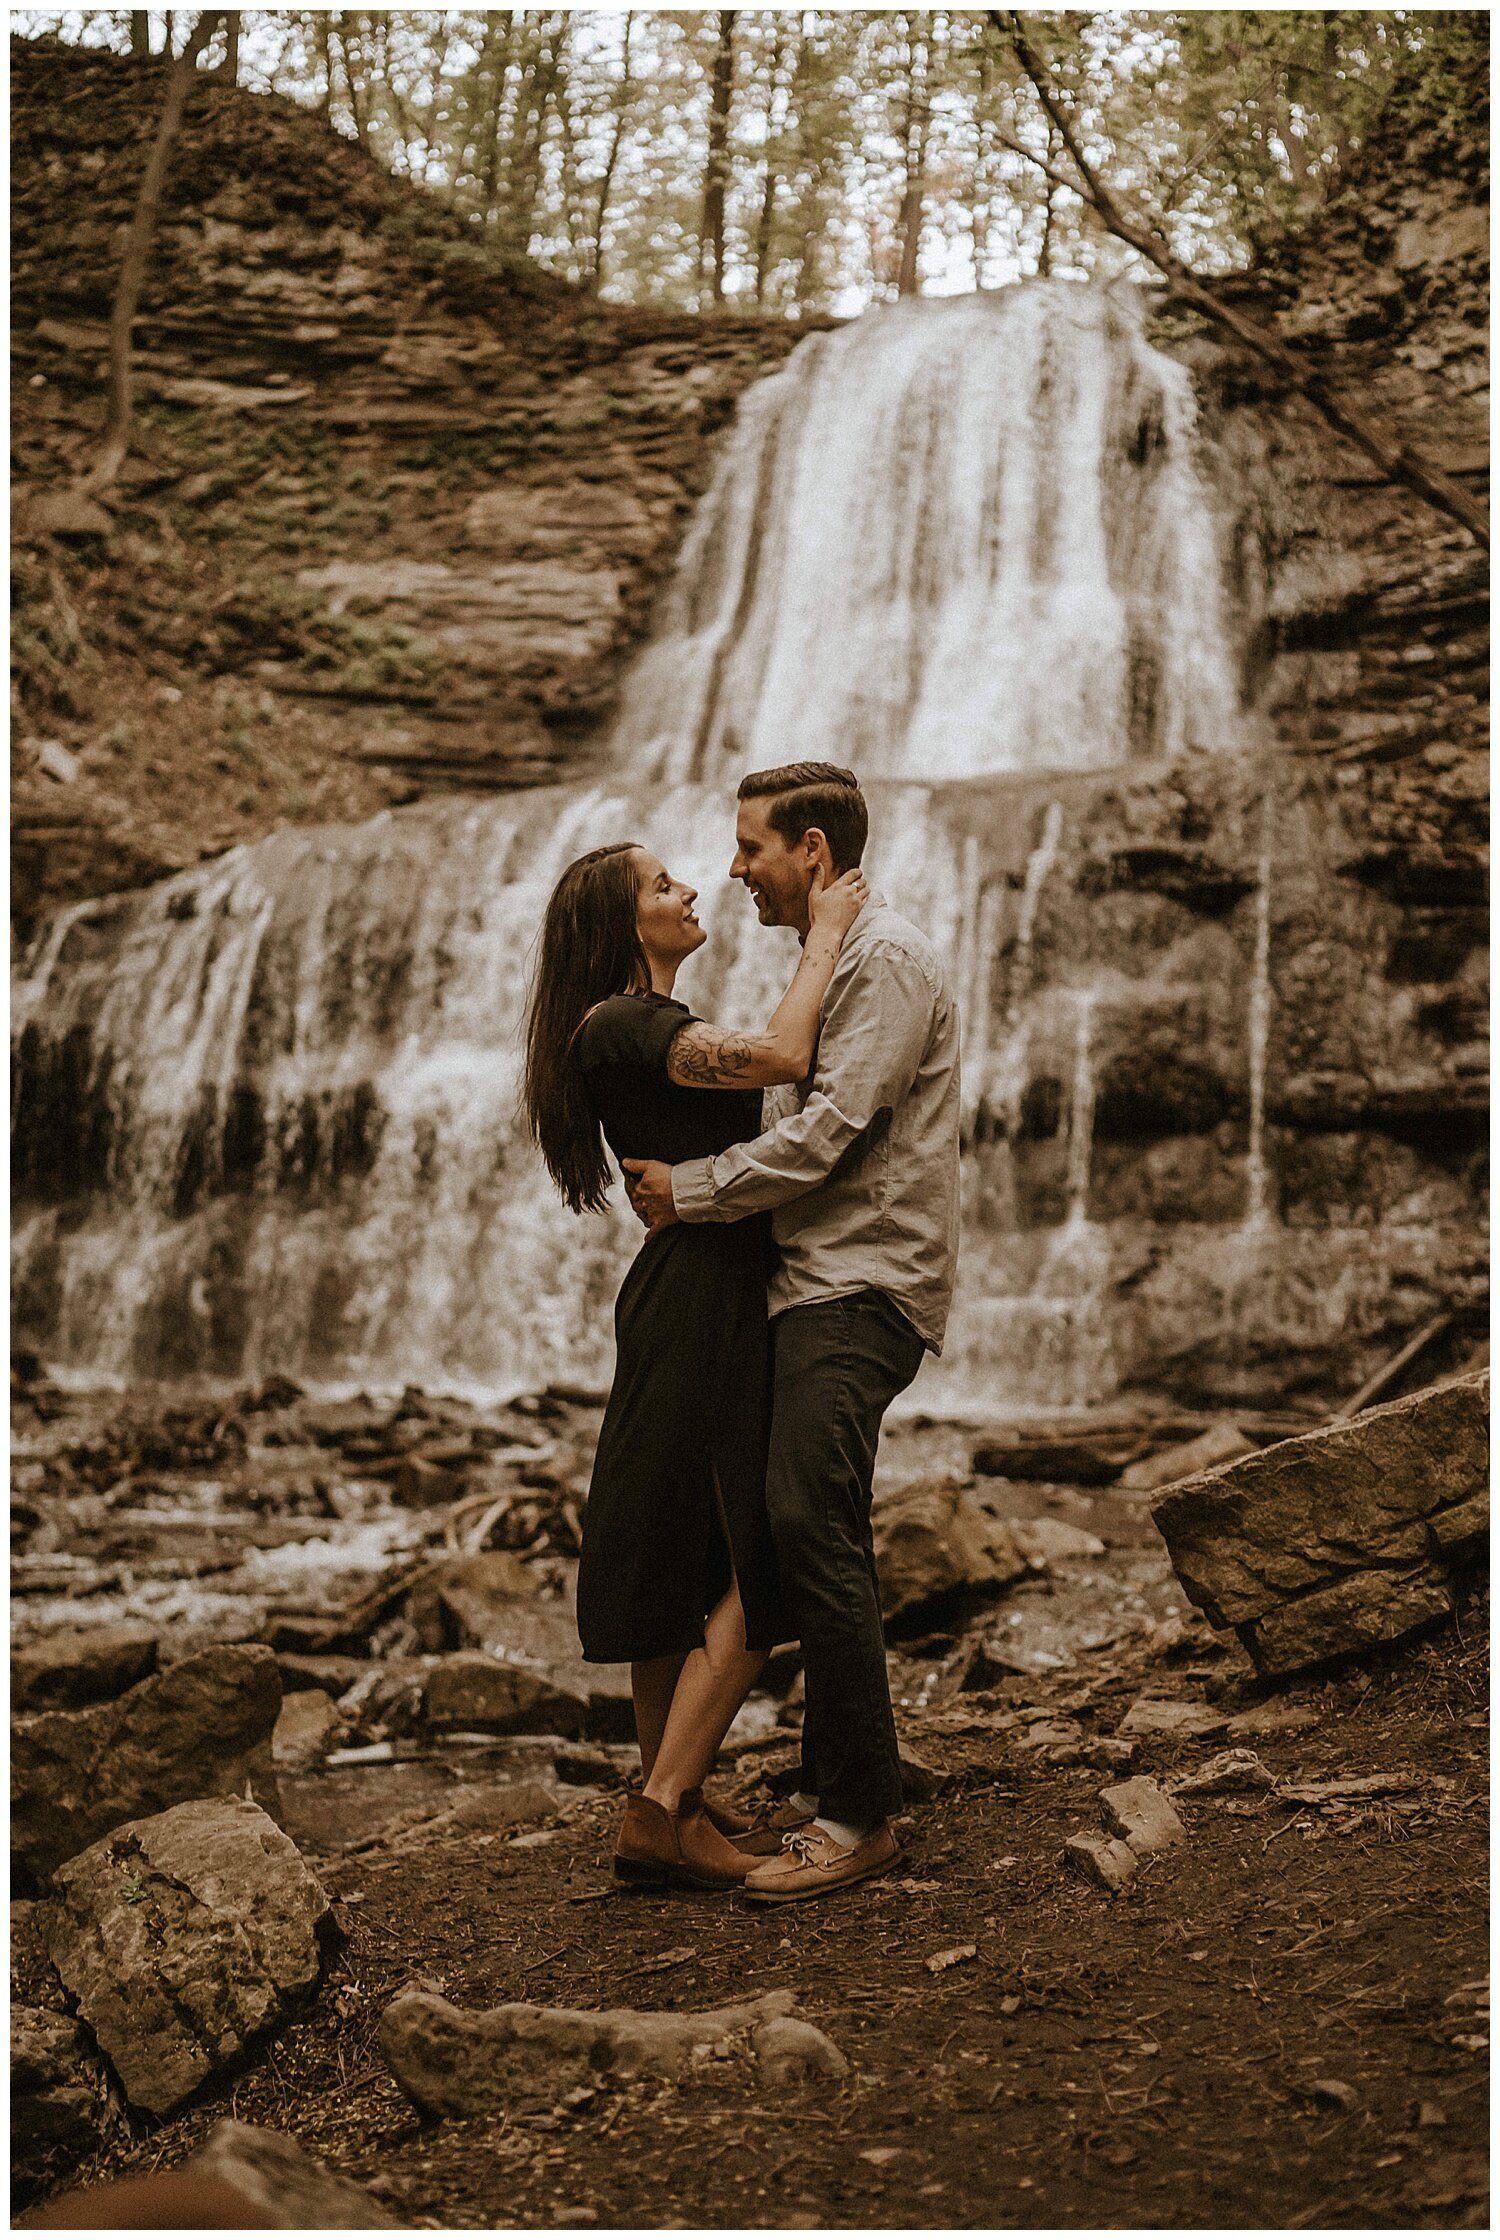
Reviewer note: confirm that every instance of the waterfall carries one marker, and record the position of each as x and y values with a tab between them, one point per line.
266	1111
951	538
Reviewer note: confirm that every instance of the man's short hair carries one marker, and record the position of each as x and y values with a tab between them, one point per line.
804	794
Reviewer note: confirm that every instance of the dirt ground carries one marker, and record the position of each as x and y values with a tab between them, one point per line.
1283	2024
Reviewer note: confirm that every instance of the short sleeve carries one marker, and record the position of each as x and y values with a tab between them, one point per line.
631	1033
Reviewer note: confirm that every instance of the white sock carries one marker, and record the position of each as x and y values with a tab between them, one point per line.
842	1832
800	1801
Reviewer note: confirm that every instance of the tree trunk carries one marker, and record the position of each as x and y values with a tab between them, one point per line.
140	32
559	100
497	56
340	31
808	160
1298	160
622	110
1334	176
918	115
229	68
523	161
979	190
116	439
765	226
325	65
716	171
1044	261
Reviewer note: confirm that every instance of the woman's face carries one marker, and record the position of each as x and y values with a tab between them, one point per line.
664	911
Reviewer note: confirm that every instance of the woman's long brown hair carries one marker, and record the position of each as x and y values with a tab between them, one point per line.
588	949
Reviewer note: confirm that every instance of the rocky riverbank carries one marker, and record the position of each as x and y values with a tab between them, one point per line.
316	1799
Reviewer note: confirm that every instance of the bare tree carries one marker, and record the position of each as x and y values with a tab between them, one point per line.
325	63
916	125
116	439
624	95
716	171
140	31
775	119
229	68
345	30
1397	461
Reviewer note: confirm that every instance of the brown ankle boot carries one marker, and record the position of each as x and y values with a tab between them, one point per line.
656	1848
708	1847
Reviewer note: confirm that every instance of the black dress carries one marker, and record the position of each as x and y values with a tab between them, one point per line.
691	1393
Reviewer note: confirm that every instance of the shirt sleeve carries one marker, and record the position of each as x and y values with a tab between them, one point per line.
627	1032
873	1035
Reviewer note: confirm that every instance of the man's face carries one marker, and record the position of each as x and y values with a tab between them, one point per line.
778	873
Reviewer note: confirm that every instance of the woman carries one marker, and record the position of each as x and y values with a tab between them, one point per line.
678	1573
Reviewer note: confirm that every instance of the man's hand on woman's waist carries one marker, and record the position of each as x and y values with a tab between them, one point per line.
648	1184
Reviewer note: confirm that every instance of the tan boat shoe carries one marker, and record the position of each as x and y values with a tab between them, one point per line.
765	1839
724	1817
812	1863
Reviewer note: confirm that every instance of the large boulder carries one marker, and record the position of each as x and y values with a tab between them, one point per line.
184	1937
451	2061
200	1729
60	2103
1344	1538
934	1540
78	1665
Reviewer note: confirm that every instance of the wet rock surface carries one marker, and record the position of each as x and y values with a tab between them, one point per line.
184	1938
1344	1538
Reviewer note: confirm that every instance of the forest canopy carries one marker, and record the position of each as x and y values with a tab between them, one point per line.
812	160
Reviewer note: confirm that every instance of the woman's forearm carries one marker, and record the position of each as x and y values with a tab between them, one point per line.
793	1025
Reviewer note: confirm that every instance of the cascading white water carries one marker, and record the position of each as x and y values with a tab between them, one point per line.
267	1109
953	538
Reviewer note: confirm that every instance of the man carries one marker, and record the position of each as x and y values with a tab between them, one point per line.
859	1165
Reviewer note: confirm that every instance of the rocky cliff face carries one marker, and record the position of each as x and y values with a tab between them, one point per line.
396	512
1365	623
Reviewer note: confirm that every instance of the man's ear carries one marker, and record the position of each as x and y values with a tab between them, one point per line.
815	839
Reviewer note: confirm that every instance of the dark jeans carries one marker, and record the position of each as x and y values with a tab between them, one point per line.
837	1366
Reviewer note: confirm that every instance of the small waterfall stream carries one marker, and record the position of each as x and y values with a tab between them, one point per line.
265	1111
1257	1206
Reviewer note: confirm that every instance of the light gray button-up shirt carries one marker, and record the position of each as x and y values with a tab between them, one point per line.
859	1166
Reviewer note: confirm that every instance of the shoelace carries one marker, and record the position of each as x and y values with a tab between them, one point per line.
803	1846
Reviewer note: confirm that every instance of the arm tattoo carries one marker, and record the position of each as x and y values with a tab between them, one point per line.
705	1058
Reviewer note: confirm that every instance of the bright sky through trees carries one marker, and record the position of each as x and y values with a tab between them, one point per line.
864	150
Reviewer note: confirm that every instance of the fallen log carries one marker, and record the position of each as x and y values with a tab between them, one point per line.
1385	1376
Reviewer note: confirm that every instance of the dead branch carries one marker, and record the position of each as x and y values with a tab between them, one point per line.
116	440
1398	462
